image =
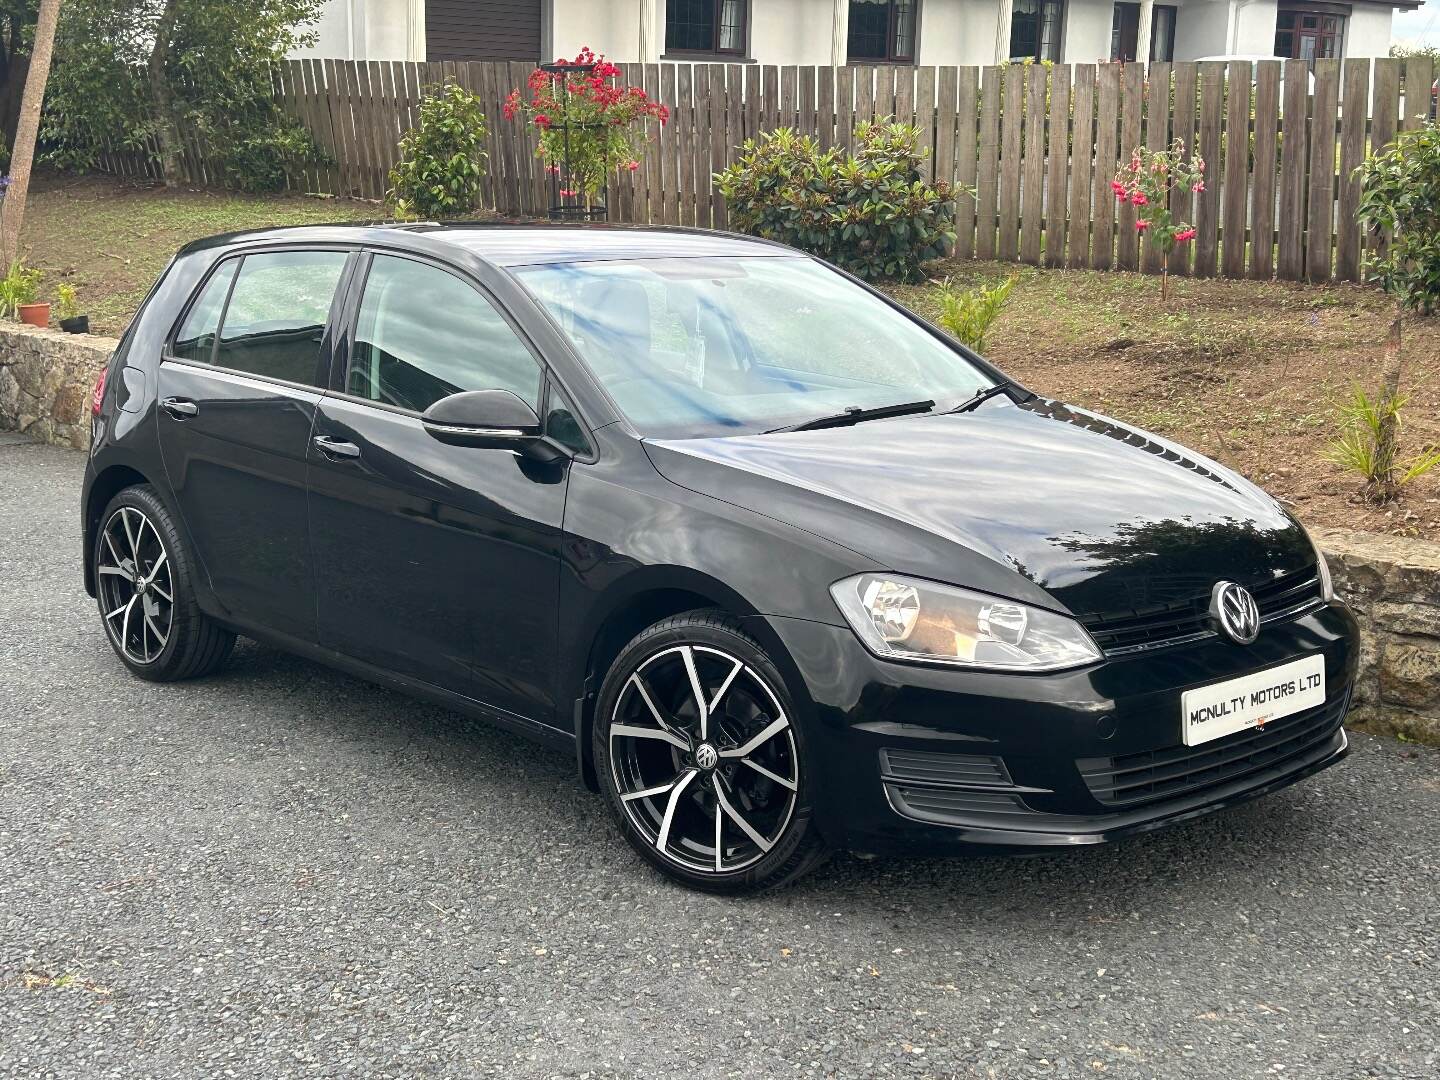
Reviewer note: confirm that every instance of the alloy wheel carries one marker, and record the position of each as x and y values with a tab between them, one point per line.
137	590
704	758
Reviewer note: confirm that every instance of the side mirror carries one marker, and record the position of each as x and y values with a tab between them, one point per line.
489	419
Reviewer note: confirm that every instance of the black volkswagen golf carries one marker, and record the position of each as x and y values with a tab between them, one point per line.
783	566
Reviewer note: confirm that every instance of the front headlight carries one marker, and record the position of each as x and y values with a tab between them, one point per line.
901	618
1327	587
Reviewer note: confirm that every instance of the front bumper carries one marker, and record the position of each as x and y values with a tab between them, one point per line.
911	758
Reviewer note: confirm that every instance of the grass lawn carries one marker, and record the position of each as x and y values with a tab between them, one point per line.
111	240
1246	372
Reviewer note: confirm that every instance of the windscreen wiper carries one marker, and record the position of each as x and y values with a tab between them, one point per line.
1009	389
854	415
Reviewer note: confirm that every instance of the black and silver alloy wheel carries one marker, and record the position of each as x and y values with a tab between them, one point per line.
145	589
702	760
135	583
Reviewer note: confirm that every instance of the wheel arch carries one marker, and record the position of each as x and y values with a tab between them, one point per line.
642	600
107	484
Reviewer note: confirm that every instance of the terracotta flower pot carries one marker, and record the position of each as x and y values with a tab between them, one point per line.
35	314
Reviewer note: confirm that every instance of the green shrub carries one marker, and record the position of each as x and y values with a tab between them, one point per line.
969	314
1400	196
872	213
1363	448
442	160
20	285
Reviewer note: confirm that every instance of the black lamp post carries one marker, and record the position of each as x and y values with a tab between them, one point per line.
562	206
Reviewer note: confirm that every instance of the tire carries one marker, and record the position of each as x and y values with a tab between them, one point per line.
151	619
647	743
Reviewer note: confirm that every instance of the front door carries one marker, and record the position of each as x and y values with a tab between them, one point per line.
439	562
239	386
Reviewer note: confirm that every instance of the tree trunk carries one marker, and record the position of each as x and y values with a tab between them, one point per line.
162	99
12	210
1381	487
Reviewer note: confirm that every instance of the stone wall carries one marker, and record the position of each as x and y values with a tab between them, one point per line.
45	382
1393	586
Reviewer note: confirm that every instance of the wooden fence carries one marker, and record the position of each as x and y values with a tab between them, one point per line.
1037	145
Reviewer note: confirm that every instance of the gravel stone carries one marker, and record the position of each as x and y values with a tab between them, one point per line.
283	872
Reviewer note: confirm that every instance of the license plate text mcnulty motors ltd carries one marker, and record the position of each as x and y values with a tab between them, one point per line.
1223	708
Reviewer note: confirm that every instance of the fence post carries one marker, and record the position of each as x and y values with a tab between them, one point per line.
1294	151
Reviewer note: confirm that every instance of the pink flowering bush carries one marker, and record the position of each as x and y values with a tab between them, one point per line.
1146	183
607	122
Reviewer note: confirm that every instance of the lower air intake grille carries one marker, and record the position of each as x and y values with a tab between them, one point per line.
924	767
1178	770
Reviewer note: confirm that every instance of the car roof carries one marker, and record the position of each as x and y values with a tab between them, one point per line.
512	245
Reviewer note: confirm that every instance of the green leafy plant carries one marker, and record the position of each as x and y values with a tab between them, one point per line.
165	76
1400	206
969	314
1146	183
1361	447
20	285
67	304
872	213
606	122
442	160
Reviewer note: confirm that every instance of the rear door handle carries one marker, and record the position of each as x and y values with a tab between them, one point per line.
335	449
180	408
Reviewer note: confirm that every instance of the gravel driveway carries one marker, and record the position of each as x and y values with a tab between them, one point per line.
283	872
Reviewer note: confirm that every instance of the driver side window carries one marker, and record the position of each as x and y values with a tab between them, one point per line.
424	334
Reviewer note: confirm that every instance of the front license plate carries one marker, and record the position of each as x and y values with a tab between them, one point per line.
1223	708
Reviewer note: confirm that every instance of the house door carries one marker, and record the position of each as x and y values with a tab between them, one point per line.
1125	32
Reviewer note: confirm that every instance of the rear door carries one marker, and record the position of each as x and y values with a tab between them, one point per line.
239	386
439	562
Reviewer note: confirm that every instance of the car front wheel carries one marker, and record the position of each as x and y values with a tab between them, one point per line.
701	760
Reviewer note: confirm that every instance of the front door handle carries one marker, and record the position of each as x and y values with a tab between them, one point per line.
180	408
335	449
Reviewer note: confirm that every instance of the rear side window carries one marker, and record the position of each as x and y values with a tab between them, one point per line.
196	339
276	315
424	334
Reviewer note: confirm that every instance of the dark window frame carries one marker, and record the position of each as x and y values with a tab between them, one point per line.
1038	53
1339	12
717	16
892	54
323	365
1166	47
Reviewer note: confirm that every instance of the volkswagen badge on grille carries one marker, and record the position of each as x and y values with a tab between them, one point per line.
1235	612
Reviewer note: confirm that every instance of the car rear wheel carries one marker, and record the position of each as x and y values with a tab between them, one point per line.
143	584
698	753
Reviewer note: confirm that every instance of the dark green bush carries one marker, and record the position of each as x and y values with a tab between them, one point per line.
872	213
442	159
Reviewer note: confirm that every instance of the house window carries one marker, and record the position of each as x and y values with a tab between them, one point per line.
882	31
1125	32
1310	31
1035	30
705	26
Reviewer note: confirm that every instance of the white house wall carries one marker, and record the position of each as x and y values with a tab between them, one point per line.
369	30
799	31
957	33
1087	32
1368	31
1202	28
610	27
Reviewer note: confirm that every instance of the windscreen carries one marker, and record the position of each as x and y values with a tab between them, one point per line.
714	346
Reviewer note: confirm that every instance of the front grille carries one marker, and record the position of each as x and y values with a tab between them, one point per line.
1187	620
1179	770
